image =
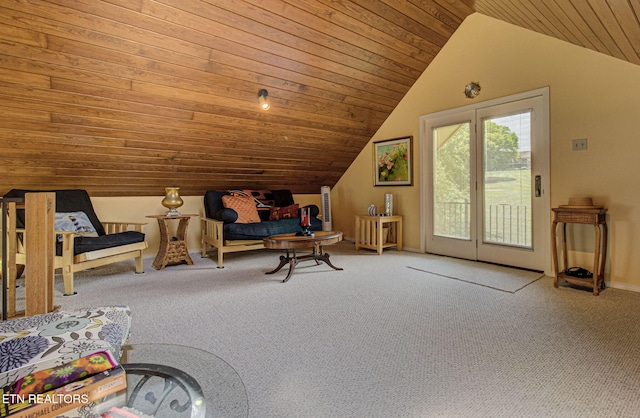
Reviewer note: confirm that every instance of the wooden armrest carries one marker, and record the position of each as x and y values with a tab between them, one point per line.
212	231
212	227
125	223
115	227
22	231
209	220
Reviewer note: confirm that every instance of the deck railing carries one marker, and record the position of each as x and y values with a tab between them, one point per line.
505	223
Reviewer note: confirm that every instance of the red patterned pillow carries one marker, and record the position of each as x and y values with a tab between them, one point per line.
245	206
276	213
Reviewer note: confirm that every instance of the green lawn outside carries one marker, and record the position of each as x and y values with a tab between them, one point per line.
508	187
504	221
507	213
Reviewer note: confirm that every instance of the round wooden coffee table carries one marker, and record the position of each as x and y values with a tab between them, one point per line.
292	242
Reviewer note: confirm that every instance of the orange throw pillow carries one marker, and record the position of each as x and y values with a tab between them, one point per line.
245	206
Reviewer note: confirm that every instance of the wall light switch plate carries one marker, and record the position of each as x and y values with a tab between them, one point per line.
579	144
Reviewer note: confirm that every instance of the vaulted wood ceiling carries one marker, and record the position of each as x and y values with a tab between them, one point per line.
125	97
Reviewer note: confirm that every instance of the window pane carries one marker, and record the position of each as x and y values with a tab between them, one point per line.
507	180
452	177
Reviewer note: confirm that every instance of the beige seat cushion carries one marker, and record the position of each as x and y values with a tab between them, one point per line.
245	206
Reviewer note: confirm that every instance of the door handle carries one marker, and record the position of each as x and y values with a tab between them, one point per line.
538	186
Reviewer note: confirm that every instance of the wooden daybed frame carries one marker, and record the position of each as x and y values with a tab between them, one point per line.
213	236
67	261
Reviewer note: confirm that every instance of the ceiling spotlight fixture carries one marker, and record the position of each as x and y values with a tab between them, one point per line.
472	90
262	97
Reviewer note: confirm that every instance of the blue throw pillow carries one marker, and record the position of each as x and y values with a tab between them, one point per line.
226	215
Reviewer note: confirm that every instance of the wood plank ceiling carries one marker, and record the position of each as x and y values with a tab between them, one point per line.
125	97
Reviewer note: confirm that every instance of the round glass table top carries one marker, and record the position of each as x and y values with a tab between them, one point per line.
224	392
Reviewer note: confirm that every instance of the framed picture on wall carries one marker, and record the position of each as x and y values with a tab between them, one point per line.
392	162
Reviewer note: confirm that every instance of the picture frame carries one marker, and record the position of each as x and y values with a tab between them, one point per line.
393	162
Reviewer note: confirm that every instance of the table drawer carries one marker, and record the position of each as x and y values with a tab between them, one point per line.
579	216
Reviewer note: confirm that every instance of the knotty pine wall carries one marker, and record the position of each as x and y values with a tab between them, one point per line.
125	97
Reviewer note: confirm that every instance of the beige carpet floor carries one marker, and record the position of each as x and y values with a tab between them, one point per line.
380	339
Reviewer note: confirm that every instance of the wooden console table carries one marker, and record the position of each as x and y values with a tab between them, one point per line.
370	232
172	250
593	216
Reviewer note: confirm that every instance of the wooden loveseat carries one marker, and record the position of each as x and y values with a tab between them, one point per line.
223	230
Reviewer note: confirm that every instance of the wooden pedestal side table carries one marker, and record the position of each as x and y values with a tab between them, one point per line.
594	216
172	250
378	232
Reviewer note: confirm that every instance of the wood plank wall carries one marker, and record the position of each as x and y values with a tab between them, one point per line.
125	97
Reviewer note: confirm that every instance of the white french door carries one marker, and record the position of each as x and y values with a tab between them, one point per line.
485	194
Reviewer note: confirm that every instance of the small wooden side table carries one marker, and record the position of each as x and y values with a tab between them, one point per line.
172	250
370	232
593	216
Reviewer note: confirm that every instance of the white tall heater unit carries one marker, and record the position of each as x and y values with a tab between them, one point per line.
325	191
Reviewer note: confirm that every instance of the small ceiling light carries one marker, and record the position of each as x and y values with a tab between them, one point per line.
262	97
472	90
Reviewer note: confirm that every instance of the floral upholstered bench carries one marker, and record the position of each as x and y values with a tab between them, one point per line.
40	342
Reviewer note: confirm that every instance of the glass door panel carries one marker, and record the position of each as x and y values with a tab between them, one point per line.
512	197
452	179
452	227
507	196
